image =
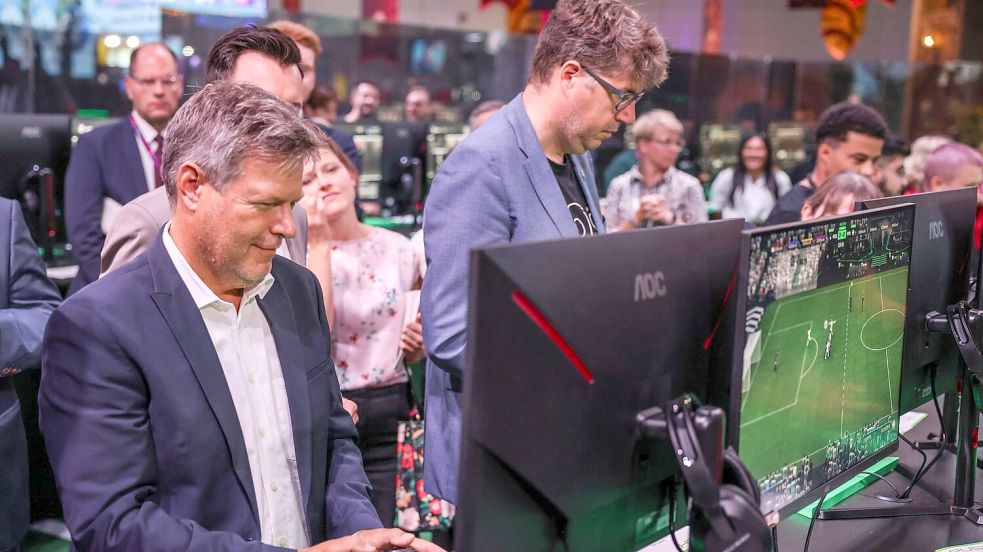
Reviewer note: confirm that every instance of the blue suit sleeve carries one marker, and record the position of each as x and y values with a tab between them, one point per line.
467	208
94	417
83	207
32	299
346	500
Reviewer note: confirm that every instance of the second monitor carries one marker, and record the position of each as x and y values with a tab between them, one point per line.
817	383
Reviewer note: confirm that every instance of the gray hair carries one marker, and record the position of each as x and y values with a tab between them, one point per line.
224	123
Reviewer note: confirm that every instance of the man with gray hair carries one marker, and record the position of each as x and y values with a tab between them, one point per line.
260	56
189	400
526	175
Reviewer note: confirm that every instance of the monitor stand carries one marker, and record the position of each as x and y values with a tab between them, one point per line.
959	322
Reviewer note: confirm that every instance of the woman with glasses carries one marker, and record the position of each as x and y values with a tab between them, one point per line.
750	189
654	192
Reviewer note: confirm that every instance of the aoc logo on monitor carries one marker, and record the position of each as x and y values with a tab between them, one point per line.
650	285
936	231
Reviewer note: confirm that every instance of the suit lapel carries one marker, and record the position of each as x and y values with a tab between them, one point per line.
182	315
132	162
280	316
538	170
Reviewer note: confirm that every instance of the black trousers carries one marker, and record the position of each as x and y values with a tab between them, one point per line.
380	409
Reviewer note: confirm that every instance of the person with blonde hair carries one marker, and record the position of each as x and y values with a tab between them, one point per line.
914	163
838	194
654	192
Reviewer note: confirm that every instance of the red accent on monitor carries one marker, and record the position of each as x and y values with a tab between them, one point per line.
976	436
540	320
720	313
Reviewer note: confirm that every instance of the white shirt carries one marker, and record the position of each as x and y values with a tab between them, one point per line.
248	354
753	202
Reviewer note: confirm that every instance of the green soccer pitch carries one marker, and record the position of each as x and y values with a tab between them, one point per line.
798	407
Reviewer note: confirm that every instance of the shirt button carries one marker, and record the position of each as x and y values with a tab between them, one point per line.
273	487
281	541
262	432
251	379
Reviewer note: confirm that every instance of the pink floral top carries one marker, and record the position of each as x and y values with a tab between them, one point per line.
370	278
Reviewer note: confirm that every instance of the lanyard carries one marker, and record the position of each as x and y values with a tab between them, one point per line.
146	145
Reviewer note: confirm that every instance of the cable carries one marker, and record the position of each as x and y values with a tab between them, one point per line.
943	443
672	515
884	479
815	516
917	449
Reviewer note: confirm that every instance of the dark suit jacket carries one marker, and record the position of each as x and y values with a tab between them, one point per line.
142	431
105	163
27	298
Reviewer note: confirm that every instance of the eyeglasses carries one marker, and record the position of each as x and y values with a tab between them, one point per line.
669	142
166	82
625	99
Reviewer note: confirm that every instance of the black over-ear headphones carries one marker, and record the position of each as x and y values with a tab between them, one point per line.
731	518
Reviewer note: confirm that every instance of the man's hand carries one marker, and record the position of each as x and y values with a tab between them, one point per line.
376	540
411	342
351	408
655	208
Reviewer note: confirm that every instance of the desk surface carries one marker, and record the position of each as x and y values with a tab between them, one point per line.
925	533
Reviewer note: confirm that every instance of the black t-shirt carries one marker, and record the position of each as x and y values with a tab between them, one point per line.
574	197
789	206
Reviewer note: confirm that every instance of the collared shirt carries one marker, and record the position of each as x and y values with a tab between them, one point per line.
753	202
149	133
683	193
245	347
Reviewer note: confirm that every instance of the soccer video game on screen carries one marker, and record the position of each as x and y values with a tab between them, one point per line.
822	357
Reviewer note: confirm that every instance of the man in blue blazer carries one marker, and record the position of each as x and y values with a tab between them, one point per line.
189	400
116	163
27	299
525	175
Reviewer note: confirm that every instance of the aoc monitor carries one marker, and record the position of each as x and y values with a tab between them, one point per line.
940	270
818	380
568	341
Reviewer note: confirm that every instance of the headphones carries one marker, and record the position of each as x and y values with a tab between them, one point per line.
728	516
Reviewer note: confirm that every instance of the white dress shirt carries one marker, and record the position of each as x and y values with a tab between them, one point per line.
248	354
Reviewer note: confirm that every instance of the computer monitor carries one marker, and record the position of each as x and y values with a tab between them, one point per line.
34	152
940	270
404	154
567	342
817	381
368	140
441	140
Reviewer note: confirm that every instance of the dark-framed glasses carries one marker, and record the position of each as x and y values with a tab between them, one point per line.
625	99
